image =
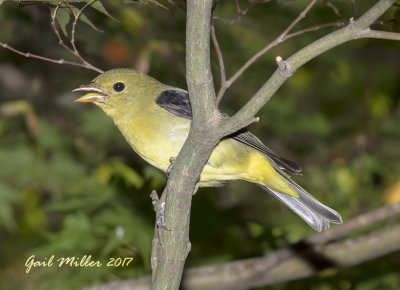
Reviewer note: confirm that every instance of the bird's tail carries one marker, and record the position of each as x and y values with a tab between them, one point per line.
316	214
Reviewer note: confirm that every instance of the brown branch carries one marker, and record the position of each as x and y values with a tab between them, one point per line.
307	261
228	21
353	4
334	8
176	4
282	37
301	16
238	6
251	5
271	264
219	55
74	51
286	35
240	12
55	29
356	29
361	221
274	267
338	23
52	60
76	17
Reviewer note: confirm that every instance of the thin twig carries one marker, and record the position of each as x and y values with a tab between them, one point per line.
219	55
338	23
228	21
282	37
238	6
72	50
77	15
301	16
251	5
58	61
176	4
355	30
240	12
353	4
334	8
55	29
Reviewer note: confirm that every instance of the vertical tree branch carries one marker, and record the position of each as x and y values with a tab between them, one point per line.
173	245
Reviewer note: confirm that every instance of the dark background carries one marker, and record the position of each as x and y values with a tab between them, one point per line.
70	185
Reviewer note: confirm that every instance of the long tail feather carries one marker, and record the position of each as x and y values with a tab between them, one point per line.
316	214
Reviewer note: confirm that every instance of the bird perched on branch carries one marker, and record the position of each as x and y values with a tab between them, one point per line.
155	120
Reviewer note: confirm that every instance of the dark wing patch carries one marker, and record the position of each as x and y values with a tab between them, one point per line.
249	139
178	103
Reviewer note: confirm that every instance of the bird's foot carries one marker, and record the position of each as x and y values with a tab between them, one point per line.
171	160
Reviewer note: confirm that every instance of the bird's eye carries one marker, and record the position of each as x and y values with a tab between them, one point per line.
119	87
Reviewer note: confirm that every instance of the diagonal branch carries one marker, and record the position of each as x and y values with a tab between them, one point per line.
274	267
240	11
73	50
355	30
52	60
282	37
219	55
297	20
307	261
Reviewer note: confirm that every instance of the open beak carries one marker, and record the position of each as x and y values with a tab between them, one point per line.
95	94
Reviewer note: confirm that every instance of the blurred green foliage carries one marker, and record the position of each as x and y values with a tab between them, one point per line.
71	186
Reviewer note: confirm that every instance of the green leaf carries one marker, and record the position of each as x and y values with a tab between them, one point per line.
100	7
63	17
130	176
83	18
76	236
8	198
128	228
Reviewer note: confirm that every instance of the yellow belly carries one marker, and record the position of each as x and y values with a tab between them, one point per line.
156	142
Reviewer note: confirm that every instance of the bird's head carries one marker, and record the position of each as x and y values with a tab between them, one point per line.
118	89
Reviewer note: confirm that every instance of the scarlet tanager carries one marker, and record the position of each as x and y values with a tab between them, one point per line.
155	120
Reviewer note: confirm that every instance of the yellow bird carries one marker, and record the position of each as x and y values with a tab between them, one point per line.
155	120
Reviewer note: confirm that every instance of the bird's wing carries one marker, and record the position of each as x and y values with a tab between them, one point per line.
246	137
177	102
